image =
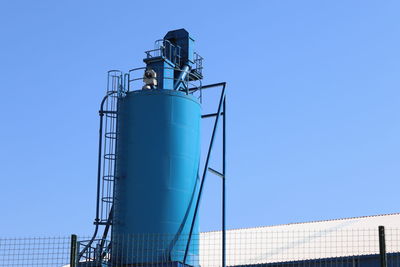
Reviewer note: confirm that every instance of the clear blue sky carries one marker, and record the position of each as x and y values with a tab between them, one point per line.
314	105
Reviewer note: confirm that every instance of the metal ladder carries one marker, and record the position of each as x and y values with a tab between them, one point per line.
96	248
114	86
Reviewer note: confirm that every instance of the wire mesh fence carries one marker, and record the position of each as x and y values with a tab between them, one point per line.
42	251
245	247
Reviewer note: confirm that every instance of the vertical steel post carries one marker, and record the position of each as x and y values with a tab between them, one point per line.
73	252
223	185
382	246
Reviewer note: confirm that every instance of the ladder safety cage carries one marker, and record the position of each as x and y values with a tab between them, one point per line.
105	169
114	87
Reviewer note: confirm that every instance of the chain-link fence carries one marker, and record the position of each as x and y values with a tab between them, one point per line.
251	247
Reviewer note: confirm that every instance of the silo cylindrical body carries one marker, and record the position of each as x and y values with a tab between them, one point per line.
156	186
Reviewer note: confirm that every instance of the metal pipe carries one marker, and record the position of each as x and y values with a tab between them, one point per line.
224	185
107	227
205	170
207	86
211	115
99	168
184	72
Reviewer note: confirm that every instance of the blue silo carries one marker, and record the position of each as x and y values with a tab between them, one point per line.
157	160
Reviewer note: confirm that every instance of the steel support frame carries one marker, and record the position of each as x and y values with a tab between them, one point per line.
220	112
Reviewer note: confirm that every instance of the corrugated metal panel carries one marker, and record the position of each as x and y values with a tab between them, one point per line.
301	241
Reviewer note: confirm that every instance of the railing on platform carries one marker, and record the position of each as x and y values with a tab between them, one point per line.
134	80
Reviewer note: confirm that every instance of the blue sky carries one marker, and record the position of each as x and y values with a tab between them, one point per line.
313	98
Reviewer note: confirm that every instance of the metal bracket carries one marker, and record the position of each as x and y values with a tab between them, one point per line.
216	172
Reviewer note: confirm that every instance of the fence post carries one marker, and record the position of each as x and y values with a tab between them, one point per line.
72	259
382	246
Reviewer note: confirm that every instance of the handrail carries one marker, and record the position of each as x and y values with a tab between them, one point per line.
165	49
131	79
